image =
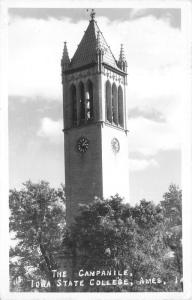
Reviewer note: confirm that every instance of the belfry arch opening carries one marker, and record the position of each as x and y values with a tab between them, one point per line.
89	100
120	107
82	101
108	95
73	93
114	105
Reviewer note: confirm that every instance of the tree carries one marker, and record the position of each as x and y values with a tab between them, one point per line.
172	206
107	234
37	221
151	250
111	234
172	211
99	237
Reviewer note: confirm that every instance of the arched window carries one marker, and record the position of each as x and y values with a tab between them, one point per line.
108	102
114	104
89	100
82	101
120	106
74	104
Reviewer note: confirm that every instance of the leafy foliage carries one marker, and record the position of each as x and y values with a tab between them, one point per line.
111	234
172	210
37	219
106	235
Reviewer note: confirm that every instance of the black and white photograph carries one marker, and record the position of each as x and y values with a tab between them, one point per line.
98	131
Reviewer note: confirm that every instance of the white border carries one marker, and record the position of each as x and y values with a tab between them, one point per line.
186	7
4	236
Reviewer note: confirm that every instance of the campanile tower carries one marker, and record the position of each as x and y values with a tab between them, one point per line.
95	121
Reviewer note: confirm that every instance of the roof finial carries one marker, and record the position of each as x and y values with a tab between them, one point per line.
122	54
92	14
65	58
122	62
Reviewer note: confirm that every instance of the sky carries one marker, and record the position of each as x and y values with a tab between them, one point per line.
153	46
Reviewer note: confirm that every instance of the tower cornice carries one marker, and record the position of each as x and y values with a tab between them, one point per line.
91	65
100	123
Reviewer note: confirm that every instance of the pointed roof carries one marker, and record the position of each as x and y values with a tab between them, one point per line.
65	58
87	49
122	54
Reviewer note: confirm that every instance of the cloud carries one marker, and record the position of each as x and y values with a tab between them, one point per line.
154	51
172	15
35	50
148	137
51	130
150	114
142	164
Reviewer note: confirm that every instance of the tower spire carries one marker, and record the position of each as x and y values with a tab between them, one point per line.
122	62
122	54
65	58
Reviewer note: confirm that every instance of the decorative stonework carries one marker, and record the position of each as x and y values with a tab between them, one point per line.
114	76
82	75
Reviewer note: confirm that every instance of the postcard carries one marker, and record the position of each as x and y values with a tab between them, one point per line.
95	149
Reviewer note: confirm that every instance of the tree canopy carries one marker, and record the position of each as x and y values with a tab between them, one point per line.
144	239
111	234
37	220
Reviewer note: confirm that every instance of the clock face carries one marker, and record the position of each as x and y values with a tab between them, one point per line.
82	144
115	145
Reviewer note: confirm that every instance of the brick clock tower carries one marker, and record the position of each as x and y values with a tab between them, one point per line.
95	121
